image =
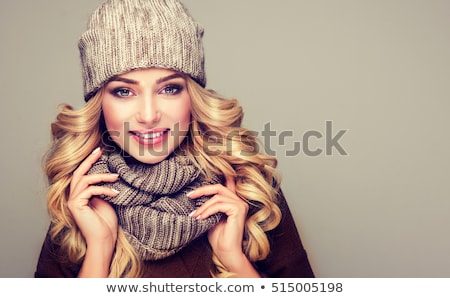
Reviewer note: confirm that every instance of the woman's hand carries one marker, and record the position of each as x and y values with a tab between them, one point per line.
95	217
226	237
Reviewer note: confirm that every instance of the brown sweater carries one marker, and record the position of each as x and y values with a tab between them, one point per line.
288	258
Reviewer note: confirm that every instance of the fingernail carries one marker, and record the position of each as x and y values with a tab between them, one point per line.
198	217
115	190
192	213
115	174
95	150
190	193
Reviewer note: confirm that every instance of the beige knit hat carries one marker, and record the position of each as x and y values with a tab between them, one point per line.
123	35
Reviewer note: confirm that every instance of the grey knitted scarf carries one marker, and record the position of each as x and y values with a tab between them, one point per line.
152	206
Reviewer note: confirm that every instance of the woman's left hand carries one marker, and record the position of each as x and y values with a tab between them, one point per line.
226	237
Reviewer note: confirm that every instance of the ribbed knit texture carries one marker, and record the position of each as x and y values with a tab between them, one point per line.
152	205
123	35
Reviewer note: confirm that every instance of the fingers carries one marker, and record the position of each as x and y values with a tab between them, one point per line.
83	187
230	183
95	217
97	178
233	208
79	178
82	199
84	167
224	199
87	180
209	190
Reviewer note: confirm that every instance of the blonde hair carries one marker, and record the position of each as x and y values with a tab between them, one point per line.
234	151
76	133
216	143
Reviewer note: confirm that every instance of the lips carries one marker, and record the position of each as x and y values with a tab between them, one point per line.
149	137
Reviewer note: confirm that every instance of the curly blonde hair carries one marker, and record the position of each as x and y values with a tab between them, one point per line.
216	143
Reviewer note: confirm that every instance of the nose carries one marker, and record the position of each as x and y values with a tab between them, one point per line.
148	112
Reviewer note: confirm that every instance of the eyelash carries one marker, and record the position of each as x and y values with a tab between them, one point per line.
175	89
116	92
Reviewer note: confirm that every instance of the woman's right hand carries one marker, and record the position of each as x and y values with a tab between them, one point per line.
95	217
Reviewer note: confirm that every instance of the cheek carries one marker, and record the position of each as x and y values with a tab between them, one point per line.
185	109
185	115
179	117
111	114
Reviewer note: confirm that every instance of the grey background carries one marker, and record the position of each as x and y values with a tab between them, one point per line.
378	69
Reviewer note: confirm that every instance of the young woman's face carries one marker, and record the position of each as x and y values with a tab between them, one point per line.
147	112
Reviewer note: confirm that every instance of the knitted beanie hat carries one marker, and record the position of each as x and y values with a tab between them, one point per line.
123	35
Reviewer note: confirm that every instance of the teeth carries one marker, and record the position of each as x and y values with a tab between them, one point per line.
149	135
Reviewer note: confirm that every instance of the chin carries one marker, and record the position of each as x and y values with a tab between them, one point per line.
149	158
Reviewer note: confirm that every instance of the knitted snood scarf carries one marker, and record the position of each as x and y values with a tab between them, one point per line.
152	206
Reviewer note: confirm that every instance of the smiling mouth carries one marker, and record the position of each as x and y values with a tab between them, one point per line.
149	135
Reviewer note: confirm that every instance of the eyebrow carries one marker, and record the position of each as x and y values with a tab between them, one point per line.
134	82
169	77
125	80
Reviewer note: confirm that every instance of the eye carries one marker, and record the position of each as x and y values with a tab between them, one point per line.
122	92
172	89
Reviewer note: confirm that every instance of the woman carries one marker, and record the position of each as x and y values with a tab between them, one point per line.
154	176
